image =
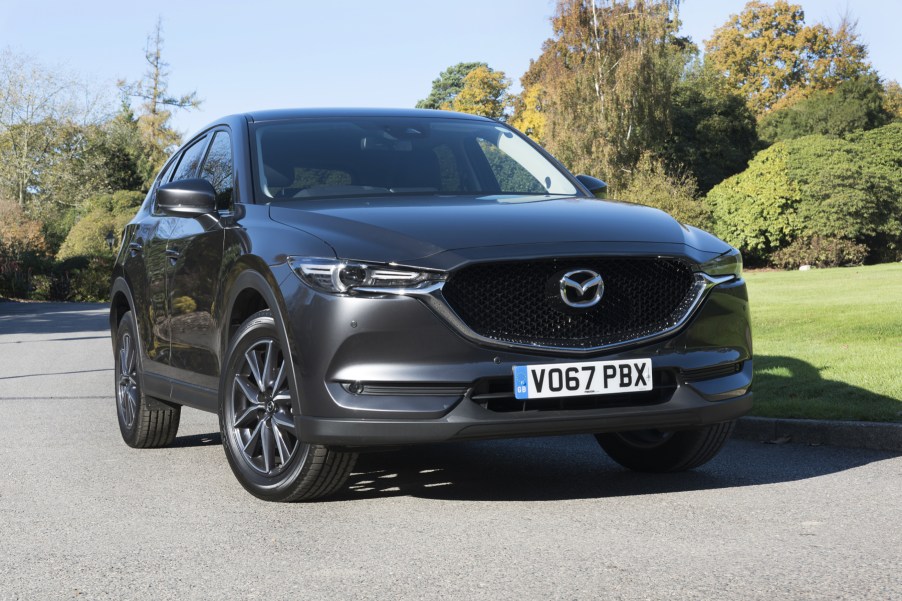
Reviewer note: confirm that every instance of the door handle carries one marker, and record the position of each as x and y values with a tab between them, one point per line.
173	254
134	248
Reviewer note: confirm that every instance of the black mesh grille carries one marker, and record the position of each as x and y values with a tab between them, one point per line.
520	302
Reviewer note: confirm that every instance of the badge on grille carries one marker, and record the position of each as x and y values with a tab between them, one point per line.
581	288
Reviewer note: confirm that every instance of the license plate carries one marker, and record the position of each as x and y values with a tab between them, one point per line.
578	379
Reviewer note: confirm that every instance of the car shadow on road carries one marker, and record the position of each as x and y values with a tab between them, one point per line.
560	468
53	318
197	440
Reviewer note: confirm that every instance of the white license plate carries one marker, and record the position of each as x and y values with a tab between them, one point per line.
578	379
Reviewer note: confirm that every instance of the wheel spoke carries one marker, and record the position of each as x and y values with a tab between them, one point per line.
284	451
254	363
131	396
280	377
248	389
130	355
254	439
270	357
285	422
245	420
268	444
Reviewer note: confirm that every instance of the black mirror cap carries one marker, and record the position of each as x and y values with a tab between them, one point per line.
598	188
187	198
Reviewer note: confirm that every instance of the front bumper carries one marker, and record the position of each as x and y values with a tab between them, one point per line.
389	370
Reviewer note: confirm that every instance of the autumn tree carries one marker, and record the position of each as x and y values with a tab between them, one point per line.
155	111
448	85
606	78
773	58
484	93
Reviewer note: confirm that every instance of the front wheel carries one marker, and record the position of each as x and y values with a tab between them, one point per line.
665	451
257	413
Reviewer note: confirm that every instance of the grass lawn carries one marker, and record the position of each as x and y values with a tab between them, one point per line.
828	343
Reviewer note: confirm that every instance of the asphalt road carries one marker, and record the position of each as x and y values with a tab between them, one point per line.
84	516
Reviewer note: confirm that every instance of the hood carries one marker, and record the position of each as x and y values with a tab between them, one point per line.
428	231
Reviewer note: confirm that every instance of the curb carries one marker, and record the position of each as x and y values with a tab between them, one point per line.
878	436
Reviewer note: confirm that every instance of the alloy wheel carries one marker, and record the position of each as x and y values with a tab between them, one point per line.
262	419
127	392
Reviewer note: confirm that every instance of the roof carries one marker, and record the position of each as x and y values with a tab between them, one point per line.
280	114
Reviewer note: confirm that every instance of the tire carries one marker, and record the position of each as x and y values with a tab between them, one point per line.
657	451
145	422
257	409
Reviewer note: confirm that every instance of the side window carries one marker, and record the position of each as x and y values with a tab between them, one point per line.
191	158
217	169
512	177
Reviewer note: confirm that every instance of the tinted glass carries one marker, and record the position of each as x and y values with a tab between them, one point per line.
217	169
322	158
191	158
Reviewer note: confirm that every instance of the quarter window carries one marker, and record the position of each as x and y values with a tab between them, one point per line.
191	158
217	169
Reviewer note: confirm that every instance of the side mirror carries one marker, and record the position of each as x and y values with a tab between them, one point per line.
187	198
598	188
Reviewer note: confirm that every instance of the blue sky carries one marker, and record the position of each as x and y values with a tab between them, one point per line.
243	55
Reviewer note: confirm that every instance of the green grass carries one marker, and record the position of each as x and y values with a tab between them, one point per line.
828	343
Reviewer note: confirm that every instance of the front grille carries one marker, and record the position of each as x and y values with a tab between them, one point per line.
497	395
519	302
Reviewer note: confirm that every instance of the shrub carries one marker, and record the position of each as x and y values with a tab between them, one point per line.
105	213
651	185
820	252
816	186
82	279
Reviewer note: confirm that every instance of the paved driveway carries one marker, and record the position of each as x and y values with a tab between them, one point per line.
83	516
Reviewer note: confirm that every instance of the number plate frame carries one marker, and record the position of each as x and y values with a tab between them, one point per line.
584	378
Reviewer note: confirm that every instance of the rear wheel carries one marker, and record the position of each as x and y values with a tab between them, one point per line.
665	451
257	421
145	422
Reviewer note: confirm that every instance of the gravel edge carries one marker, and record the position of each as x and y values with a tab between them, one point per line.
878	436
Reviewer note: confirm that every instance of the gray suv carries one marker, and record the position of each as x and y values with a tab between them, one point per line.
333	281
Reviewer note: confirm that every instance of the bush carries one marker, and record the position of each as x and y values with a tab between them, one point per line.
82	279
651	185
816	186
104	214
820	252
23	249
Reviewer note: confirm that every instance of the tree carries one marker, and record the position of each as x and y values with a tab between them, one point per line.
855	105
484	93
157	104
713	132
528	112
448	85
43	113
606	77
770	55
892	99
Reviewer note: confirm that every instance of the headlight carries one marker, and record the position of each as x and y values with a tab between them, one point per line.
331	275
727	264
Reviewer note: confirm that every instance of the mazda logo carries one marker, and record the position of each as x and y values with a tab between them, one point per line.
581	288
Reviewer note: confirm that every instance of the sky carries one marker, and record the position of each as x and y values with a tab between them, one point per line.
242	56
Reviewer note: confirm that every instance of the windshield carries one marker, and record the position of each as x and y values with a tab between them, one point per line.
372	156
